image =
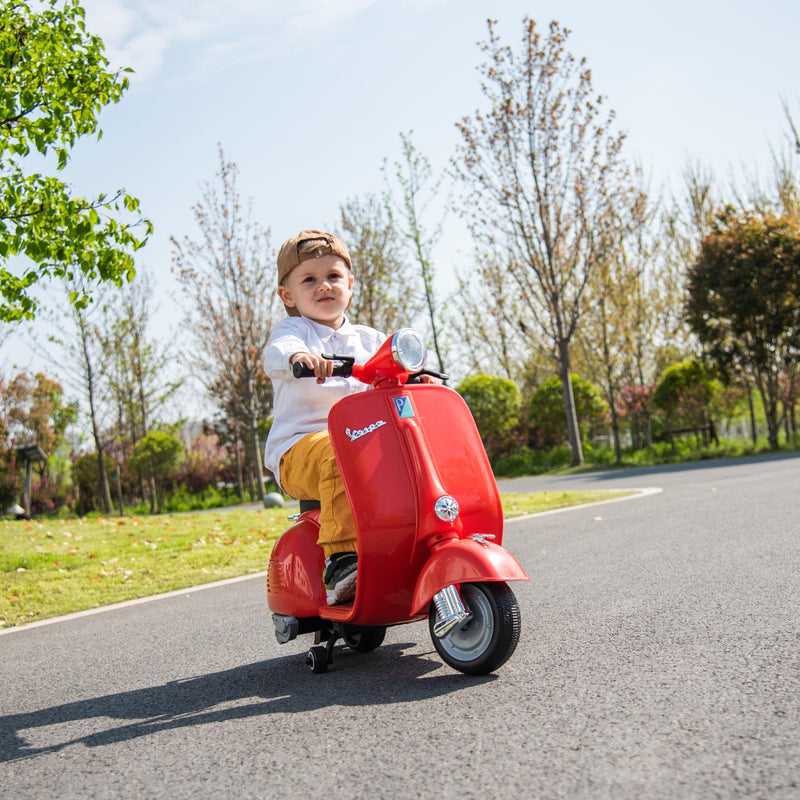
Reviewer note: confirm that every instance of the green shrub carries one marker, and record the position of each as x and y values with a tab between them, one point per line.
547	416
515	465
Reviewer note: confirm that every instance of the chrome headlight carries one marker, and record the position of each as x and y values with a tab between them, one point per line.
409	350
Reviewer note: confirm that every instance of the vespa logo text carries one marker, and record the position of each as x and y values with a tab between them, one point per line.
364	431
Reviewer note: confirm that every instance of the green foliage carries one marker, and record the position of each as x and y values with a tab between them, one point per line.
9	479
85	478
55	83
528	461
495	404
744	301
159	452
72	564
158	455
744	290
418	188
33	411
685	392
546	412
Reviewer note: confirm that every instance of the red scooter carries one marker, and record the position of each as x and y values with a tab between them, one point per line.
428	520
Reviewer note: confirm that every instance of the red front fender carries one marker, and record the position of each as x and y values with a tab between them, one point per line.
464	561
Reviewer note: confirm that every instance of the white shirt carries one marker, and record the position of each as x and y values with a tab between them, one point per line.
301	406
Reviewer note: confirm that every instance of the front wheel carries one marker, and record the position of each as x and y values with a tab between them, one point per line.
488	638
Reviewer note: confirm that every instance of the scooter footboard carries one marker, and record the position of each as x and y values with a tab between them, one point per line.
464	561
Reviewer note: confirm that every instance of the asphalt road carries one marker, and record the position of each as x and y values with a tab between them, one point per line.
659	658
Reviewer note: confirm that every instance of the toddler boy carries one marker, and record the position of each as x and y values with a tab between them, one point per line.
315	283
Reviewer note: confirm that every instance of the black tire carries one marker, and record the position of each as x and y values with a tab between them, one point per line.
364	640
486	641
317	659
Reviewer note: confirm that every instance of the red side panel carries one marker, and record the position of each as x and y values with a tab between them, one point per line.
373	465
460	459
294	574
398	450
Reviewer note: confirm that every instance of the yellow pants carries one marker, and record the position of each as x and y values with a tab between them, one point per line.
309	472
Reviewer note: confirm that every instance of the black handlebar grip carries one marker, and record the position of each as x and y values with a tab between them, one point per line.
301	370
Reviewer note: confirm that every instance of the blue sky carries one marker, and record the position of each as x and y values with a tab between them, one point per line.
308	97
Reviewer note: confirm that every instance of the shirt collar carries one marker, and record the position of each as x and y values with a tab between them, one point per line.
324	331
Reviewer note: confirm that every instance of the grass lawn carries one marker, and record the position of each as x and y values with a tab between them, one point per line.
54	567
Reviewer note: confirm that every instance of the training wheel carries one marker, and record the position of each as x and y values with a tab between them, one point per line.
317	659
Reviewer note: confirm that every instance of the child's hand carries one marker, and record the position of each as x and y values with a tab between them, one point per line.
323	368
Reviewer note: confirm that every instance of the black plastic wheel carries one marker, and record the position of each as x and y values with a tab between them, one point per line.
364	640
317	659
485	641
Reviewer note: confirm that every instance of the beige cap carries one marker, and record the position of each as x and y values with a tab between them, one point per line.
309	244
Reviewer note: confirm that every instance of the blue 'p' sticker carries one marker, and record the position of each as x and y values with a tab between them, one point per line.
404	407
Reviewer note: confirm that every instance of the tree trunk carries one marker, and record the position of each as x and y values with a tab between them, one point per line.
770	410
239	478
105	491
259	469
616	432
102	477
252	420
753	430
614	418
151	482
573	431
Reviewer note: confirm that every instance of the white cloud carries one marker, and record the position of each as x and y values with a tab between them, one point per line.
143	34
314	17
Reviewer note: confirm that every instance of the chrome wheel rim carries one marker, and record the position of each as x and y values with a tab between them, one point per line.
470	640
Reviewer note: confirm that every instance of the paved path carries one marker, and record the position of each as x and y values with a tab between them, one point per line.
660	658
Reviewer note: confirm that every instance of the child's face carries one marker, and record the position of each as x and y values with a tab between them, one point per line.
320	289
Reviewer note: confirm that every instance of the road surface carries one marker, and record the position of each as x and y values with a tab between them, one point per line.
659	658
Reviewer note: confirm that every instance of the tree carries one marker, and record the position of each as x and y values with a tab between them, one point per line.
547	415
635	404
159	453
743	302
227	277
382	294
686	217
418	189
83	363
780	195
616	327
55	83
684	393
32	411
794	135
231	427
540	169
91	360
488	314
139	376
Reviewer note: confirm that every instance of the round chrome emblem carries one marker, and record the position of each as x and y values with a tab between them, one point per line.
446	508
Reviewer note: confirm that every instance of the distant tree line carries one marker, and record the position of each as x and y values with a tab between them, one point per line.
593	309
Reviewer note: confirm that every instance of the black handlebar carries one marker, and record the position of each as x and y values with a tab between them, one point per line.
343	367
416	377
